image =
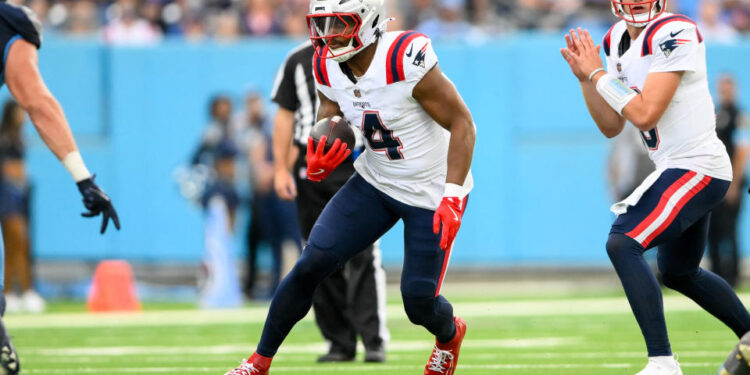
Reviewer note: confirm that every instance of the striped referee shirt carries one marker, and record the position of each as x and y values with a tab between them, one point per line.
294	90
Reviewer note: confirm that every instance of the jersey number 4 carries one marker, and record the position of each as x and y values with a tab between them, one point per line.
651	138
379	137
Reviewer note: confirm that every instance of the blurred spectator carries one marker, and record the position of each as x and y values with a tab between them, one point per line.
126	27
712	26
260	19
222	185
219	284
293	18
219	130
152	12
738	12
449	23
226	26
14	213
417	12
272	220
145	21
217	150
732	128
83	19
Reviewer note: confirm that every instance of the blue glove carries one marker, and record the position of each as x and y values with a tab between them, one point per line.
97	202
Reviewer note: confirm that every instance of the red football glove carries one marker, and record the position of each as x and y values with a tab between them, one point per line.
449	214
320	165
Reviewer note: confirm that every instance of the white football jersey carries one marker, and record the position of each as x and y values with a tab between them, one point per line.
406	153
685	136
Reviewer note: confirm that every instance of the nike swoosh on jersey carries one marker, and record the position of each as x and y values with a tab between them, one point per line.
675	34
319	171
411	49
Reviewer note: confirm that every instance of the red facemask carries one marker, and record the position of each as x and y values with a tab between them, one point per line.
344	27
640	12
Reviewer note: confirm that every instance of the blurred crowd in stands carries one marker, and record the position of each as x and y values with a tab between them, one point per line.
148	21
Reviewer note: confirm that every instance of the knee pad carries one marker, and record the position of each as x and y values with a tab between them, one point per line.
619	243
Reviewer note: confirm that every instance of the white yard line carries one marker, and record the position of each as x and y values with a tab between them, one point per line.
291	348
346	369
554	307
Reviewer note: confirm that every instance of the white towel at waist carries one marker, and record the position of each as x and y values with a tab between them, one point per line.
620	208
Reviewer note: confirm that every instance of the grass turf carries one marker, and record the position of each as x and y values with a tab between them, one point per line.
580	333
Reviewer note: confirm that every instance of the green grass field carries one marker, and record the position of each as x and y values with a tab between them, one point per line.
574	333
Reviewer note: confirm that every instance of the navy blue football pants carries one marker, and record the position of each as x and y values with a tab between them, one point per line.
356	217
672	214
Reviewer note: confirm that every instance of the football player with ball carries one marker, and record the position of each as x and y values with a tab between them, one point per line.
416	168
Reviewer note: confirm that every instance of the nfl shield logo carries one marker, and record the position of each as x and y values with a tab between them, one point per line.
357	93
619	68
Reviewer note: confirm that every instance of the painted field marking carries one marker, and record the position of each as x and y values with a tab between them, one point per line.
291	348
346	369
553	307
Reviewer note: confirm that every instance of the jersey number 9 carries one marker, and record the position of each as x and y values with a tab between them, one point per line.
651	139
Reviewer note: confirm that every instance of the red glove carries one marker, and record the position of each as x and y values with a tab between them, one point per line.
449	214
320	165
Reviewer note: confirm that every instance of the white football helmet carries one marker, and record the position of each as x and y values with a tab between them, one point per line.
632	12
359	21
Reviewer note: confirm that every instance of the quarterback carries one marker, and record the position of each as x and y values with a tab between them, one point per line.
419	145
656	80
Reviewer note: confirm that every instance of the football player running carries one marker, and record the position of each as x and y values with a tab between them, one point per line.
656	81
21	36
419	145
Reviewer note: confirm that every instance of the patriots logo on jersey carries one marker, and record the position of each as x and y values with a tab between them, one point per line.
671	44
421	55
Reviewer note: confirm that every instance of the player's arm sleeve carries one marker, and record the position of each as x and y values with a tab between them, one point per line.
676	48
421	60
284	91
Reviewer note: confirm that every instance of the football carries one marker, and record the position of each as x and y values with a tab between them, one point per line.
333	128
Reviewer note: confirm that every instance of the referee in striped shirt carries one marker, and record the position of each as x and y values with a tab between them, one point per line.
351	301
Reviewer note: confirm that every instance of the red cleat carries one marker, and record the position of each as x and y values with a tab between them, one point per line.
255	365
444	359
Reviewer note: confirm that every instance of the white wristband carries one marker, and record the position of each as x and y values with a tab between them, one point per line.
75	166
614	92
591	76
455	190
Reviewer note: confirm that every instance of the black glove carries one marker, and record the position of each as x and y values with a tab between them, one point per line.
96	201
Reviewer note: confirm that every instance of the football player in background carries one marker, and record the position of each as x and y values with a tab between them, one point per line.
21	36
656	81
419	145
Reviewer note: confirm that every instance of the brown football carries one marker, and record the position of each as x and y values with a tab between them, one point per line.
333	128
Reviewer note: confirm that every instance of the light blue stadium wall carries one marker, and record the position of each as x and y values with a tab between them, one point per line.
539	165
